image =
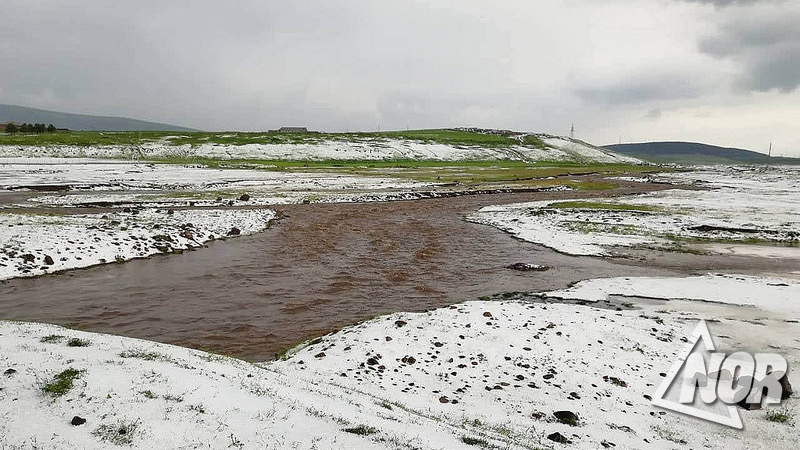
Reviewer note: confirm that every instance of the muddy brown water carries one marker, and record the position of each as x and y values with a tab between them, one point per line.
322	267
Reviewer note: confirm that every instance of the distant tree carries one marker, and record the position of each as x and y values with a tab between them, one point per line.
39	128
11	128
25	128
51	128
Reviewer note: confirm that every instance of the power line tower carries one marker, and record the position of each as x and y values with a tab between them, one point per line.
572	132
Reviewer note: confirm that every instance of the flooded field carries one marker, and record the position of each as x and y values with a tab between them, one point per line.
321	267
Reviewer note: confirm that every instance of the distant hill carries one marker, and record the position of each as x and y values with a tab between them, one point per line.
81	122
695	153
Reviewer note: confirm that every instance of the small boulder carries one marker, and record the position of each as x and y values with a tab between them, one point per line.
558	437
28	258
244	197
48	260
234	232
400	323
567	417
9	372
76	421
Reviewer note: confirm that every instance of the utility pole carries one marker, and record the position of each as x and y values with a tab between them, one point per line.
572	132
770	149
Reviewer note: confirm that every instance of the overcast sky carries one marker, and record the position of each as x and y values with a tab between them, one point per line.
719	71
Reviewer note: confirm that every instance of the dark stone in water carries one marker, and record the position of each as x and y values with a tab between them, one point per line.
526	267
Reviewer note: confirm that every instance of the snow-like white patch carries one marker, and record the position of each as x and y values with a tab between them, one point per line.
582	151
558	149
487	373
553	227
743	206
778	295
35	244
83	173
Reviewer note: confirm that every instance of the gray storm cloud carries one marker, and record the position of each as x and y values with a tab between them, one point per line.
360	65
765	44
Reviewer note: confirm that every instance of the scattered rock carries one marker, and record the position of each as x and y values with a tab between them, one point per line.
526	267
28	257
244	197
48	260
76	421
567	417
320	355
9	372
170	211
400	323
558	437
786	386
234	232
444	399
372	361
487	314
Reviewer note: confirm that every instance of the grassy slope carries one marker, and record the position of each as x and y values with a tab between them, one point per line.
473	173
89	138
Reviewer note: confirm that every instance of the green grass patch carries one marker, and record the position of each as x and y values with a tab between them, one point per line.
52	339
602	206
61	383
75	342
474	441
144	355
782	415
120	433
361	430
438	136
149	394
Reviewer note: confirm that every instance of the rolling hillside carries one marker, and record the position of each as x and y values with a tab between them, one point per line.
695	153
21	114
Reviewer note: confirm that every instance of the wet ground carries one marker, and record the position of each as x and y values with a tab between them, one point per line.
324	266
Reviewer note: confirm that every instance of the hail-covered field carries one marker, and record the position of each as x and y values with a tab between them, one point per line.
485	374
548	148
740	210
36	244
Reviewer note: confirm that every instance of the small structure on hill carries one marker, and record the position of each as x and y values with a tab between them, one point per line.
293	130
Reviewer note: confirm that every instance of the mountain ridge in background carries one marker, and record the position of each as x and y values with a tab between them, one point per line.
81	122
695	153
